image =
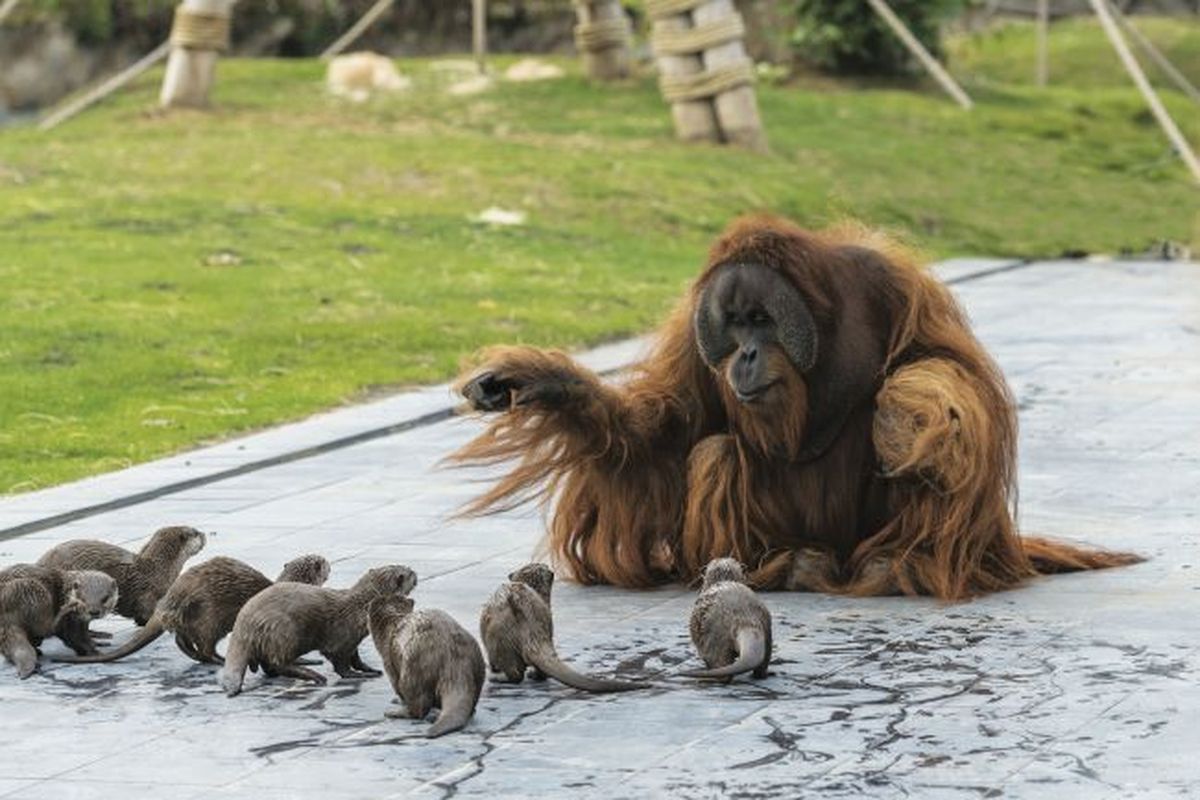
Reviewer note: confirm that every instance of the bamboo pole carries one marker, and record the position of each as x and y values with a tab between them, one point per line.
110	85
1043	42
917	49
479	33
358	29
1139	79
7	8
1156	55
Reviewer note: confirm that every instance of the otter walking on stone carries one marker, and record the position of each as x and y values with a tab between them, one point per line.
143	577
34	602
518	632
730	625
287	620
431	661
203	603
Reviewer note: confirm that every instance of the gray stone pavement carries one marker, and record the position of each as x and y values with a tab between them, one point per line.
1073	686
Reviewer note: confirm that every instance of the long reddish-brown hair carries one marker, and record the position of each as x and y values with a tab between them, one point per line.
896	453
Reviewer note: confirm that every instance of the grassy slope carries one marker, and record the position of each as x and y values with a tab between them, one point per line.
126	334
1079	54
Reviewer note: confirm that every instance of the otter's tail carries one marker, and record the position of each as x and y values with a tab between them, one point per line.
144	636
233	674
545	659
752	651
15	646
1050	557
458	704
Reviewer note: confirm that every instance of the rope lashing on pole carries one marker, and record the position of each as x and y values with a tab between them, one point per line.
200	30
704	72
700	38
709	83
603	37
657	9
602	34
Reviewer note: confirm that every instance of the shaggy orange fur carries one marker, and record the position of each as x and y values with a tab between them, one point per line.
909	486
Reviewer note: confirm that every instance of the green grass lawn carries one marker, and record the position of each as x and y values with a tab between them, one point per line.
171	279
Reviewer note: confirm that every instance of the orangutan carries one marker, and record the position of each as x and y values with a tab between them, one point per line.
817	407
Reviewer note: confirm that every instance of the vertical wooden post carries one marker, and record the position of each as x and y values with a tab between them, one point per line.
602	36
479	33
918	50
704	72
695	119
1043	41
199	34
1139	79
737	108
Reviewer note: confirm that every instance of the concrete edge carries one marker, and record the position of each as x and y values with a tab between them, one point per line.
345	426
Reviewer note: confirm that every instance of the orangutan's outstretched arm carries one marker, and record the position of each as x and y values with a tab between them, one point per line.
555	416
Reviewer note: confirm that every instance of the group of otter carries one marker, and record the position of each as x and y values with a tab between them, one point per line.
430	659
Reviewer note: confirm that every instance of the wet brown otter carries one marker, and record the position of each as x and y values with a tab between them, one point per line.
143	577
431	661
35	601
203	603
287	620
518	632
730	625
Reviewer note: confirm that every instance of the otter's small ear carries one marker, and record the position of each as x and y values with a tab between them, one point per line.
76	585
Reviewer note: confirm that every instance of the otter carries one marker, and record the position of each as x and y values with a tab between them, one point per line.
96	597
203	603
143	577
34	602
431	661
287	620
730	625
517	626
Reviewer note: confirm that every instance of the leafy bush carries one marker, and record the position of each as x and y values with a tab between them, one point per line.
848	37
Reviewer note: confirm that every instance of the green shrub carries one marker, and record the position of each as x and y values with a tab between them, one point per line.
848	37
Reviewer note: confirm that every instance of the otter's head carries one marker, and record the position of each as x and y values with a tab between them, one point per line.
392	580
90	593
386	610
723	569
538	577
310	569
176	541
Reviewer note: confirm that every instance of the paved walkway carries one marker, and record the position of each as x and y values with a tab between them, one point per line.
1075	686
